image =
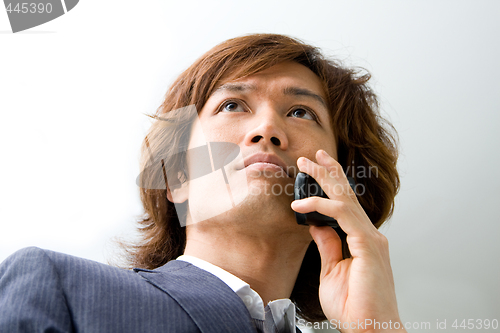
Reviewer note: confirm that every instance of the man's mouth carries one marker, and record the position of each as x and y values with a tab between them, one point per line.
266	161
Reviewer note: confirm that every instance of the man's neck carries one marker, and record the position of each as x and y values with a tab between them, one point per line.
268	262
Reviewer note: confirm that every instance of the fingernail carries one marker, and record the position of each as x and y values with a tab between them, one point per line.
324	153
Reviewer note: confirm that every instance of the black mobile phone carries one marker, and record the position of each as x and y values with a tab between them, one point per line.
306	186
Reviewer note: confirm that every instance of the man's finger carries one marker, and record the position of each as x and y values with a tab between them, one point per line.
329	175
329	246
347	215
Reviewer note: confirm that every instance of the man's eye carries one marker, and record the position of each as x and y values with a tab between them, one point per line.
302	113
232	107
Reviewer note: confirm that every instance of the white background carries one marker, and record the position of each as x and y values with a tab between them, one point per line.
74	91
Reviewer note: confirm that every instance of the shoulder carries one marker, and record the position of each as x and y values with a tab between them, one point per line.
41	289
33	260
34	254
30	293
24	255
30	260
45	271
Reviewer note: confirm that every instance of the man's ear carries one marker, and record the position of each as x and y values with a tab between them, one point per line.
178	194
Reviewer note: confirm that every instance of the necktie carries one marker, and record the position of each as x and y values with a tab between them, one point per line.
268	325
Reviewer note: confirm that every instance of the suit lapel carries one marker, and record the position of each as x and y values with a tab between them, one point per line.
213	306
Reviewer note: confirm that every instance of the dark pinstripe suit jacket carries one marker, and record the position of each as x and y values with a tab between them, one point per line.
45	291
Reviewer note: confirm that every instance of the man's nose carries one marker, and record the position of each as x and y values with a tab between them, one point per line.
268	128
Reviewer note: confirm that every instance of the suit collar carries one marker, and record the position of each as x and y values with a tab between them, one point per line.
203	296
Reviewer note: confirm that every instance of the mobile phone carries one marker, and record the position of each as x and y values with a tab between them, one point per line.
306	186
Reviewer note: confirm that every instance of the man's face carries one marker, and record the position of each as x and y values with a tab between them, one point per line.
275	117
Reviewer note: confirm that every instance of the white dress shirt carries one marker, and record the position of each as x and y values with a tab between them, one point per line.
252	300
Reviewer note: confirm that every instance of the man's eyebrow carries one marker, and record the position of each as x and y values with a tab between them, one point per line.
235	87
296	91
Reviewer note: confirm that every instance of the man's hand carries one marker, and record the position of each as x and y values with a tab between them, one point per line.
360	288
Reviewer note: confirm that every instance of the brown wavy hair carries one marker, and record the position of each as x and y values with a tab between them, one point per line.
365	140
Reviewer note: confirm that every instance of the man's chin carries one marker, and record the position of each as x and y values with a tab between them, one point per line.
264	206
278	189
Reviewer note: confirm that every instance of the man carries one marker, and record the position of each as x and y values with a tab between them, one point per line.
243	263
